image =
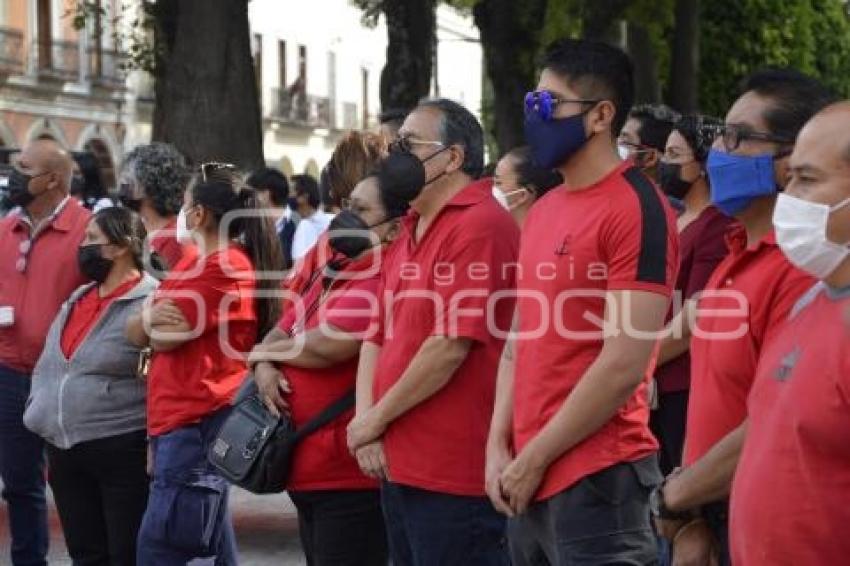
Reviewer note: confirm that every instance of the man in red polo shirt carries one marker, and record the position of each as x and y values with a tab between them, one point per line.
37	274
153	179
789	502
427	378
746	299
570	455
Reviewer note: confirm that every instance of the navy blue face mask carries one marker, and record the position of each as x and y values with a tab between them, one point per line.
554	141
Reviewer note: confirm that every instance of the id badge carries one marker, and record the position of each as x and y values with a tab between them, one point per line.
7	316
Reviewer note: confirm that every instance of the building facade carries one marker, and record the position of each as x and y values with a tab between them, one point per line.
317	66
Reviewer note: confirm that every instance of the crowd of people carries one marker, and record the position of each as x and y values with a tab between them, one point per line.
626	342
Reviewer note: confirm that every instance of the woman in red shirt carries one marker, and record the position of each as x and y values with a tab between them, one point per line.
702	229
202	320
318	342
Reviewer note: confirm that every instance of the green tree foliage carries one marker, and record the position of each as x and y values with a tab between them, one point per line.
741	36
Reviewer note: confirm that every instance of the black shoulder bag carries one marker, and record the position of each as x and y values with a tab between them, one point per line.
253	448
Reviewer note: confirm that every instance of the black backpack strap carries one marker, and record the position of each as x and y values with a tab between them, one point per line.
328	414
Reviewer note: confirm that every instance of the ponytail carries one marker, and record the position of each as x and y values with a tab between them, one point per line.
221	192
258	236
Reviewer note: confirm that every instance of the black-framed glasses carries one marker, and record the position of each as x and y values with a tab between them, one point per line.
211	167
733	135
543	103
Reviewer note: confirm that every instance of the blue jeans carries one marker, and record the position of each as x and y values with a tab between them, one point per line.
22	470
426	528
187	519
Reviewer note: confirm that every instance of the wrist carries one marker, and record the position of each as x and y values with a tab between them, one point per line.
534	457
661	508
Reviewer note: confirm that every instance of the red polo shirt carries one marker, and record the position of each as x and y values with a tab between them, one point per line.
441	286
165	243
322	460
85	314
791	495
36	294
577	245
746	300
215	293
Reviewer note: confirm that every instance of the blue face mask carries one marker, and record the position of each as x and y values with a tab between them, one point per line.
554	141
737	180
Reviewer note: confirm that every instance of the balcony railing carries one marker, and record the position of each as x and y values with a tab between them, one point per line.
106	68
58	59
301	109
11	50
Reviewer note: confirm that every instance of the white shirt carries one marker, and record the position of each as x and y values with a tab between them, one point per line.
308	232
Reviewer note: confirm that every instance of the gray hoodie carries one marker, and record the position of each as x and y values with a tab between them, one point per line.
94	394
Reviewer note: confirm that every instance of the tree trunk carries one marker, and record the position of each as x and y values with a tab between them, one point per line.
411	30
639	46
684	70
510	38
602	20
207	103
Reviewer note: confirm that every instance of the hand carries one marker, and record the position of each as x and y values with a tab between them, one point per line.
694	546
165	313
364	429
272	385
520	481
498	457
372	460
667	529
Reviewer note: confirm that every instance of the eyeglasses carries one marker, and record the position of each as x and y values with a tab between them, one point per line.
732	136
406	143
543	103
211	167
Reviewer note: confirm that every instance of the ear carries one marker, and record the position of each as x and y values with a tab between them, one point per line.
651	159
456	159
528	195
601	117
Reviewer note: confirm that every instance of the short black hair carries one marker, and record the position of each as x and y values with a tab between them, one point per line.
796	96
656	122
460	127
393	116
595	70
271	180
699	131
307	185
530	175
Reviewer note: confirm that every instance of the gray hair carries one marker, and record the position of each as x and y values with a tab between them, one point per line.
460	127
162	172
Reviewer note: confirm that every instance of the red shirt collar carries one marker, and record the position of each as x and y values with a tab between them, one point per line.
736	240
64	218
472	194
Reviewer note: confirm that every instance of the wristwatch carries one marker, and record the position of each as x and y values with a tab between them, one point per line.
660	510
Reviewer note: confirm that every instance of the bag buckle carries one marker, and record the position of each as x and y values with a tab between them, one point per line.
254	444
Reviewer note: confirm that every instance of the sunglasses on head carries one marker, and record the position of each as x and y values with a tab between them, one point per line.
211	167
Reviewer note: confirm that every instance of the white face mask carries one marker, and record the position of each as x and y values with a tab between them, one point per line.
183	235
801	234
502	197
623	151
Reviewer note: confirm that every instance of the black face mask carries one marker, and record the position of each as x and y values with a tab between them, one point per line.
355	236
669	177
92	263
78	185
402	174
18	193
